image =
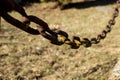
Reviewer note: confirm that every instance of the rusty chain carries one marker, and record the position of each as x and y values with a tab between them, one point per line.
76	41
63	37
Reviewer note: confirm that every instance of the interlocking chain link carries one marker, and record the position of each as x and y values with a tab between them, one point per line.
59	37
63	37
76	41
104	33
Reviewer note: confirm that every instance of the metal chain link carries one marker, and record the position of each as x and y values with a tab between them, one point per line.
104	33
76	41
62	36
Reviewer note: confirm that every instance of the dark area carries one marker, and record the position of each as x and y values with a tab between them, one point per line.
77	5
86	4
26	2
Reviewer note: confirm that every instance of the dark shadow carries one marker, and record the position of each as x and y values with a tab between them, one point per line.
27	2
86	4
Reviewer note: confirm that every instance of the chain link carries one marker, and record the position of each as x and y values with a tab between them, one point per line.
76	41
62	37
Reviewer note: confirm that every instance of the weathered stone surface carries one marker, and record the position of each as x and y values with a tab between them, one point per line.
115	73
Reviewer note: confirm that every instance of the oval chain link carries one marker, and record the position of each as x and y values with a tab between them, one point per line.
76	42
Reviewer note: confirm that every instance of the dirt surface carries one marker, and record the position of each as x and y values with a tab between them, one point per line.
28	57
